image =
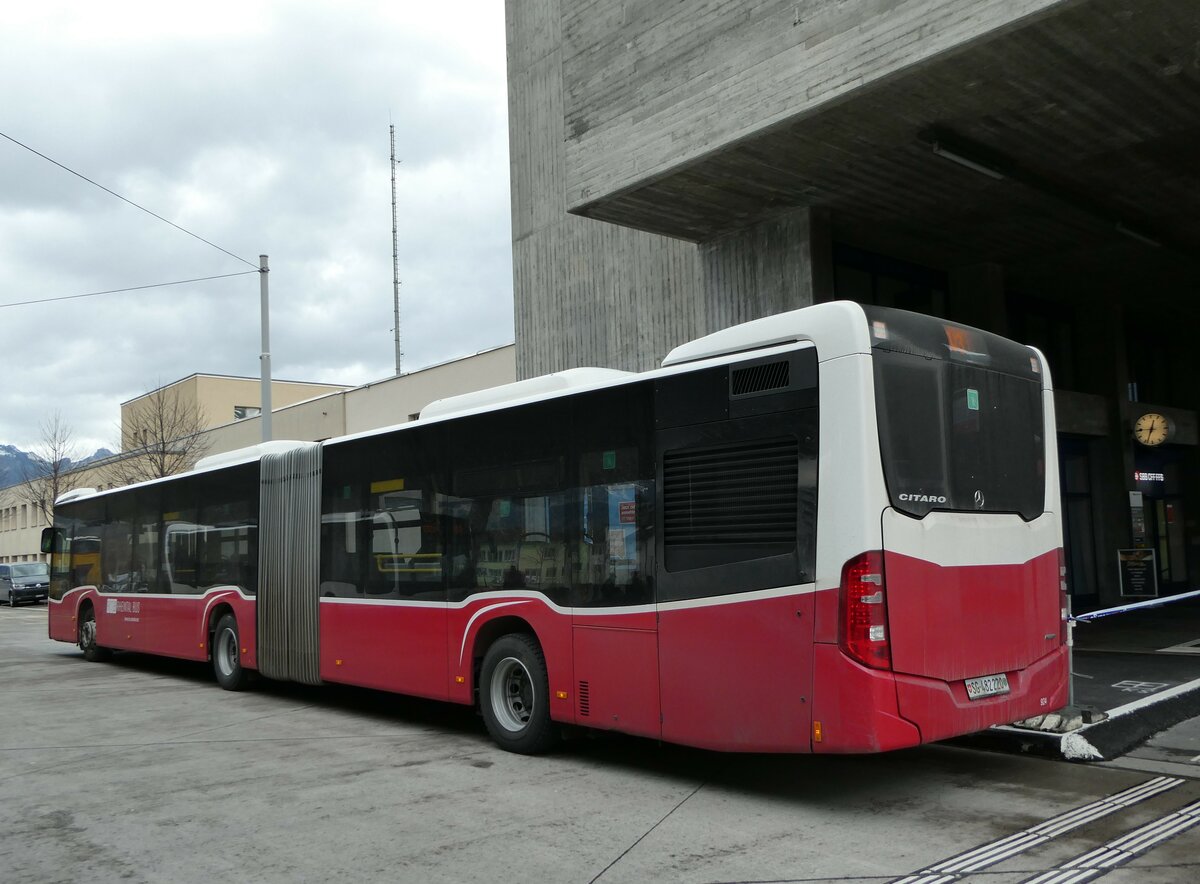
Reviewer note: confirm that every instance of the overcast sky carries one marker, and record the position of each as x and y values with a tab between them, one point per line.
263	128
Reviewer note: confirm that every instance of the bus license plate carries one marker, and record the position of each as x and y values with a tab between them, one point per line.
987	686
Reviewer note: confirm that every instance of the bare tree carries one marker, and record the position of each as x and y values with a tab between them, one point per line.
51	471
161	434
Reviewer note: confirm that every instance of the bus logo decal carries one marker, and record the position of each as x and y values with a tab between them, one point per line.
923	498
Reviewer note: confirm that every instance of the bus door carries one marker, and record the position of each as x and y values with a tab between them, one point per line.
736	451
614	637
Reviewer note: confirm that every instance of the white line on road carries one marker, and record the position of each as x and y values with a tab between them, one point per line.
1117	852
1192	647
987	855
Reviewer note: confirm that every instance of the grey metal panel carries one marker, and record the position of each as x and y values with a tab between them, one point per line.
289	579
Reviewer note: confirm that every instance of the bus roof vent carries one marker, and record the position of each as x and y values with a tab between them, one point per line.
247	454
74	494
546	385
762	378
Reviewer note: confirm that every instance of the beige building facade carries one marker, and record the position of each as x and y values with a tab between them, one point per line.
302	411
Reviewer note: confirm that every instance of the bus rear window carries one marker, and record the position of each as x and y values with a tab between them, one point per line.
959	433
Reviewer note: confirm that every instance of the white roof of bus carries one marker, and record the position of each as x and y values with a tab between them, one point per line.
838	328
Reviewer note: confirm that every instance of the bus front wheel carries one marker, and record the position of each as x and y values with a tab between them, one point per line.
514	695
227	655
92	652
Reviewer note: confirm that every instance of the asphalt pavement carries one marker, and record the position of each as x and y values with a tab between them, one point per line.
141	770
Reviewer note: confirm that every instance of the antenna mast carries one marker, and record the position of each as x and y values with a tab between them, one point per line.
395	259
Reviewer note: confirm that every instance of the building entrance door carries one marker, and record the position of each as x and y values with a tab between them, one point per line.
1157	476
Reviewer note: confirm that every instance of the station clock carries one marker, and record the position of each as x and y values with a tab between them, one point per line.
1153	429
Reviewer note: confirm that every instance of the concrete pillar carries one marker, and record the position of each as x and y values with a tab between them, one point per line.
770	267
584	292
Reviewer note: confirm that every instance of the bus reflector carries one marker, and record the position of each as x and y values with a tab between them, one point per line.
1062	597
862	609
817	732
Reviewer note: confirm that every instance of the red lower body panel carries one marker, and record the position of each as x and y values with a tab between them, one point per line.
616	678
398	648
171	626
856	706
737	676
868	710
941	709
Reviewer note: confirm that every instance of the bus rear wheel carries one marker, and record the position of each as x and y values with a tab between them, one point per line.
92	652
227	655
514	695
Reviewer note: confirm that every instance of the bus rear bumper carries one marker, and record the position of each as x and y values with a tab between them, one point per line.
942	709
870	710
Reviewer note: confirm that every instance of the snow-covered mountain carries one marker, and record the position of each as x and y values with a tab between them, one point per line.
16	464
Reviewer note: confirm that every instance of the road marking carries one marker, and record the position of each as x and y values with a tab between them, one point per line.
1154	698
1142	687
987	855
1192	647
1117	852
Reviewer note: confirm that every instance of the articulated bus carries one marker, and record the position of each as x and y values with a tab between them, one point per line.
831	530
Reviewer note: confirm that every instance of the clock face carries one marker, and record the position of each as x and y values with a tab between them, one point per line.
1152	429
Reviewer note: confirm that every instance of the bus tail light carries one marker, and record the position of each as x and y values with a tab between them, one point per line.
1063	601
862	609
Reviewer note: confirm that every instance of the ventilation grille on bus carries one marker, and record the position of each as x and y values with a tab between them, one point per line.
760	378
585	700
744	493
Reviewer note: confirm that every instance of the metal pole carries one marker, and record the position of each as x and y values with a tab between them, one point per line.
395	262
265	356
1070	655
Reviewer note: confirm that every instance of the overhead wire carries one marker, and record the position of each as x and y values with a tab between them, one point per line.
134	288
129	201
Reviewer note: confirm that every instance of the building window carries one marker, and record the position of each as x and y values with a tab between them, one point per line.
241	412
870	278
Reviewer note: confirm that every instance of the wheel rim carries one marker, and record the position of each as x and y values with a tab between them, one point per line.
227	652
512	694
87	634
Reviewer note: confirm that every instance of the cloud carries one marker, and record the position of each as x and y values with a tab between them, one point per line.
263	128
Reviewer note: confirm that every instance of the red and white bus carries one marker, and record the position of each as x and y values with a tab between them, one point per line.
831	530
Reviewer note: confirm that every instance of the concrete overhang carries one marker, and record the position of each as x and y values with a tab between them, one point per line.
1079	128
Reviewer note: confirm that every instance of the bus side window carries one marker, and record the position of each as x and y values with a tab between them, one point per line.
405	545
180	557
612	563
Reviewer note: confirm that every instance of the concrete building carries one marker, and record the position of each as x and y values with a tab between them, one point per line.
1025	166
221	399
308	412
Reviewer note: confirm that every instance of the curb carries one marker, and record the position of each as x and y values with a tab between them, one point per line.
1125	727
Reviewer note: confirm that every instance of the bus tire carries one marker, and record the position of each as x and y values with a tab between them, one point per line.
514	695
227	655
92	652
